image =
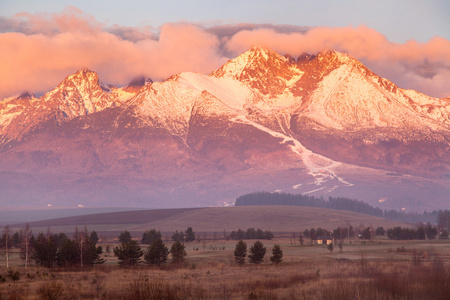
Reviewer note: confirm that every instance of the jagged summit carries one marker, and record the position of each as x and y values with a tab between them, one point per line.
256	58
262	69
137	83
84	70
276	75
26	95
263	119
83	74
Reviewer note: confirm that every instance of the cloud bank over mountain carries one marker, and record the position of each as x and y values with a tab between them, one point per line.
40	49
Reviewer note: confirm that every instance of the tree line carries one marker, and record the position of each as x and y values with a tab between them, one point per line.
54	250
342	203
251	234
58	250
421	233
256	253
130	253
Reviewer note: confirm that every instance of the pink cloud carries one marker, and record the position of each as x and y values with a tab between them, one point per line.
38	62
44	49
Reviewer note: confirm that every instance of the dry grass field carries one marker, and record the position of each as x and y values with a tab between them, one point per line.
377	269
381	269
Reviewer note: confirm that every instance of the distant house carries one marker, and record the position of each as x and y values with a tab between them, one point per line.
325	240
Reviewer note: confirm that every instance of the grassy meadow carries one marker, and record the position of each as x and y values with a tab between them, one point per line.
377	269
381	269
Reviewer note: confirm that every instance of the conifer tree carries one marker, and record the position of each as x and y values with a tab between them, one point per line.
277	254
257	252
150	236
190	235
129	253
240	252
125	237
178	252
157	253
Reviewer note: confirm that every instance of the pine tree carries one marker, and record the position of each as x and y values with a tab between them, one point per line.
178	252
157	253
124	237
277	254
150	236
240	252
129	253
94	237
178	236
45	249
257	252
68	253
92	252
190	235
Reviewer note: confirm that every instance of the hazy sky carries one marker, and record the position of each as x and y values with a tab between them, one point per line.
41	42
398	20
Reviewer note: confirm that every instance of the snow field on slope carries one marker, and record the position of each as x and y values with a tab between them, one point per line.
169	103
437	109
320	167
346	99
231	92
122	95
6	116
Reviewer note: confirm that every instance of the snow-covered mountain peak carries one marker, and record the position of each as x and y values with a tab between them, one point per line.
334	54
83	76
264	53
132	88
326	59
263	70
78	94
26	96
257	58
138	82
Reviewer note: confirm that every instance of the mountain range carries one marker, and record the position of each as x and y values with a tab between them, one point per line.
320	124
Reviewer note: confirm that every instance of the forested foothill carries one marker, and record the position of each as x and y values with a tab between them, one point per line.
340	203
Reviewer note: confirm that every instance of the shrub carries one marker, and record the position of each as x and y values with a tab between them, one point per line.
14	275
51	290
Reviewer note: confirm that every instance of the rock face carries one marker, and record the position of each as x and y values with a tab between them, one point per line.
322	124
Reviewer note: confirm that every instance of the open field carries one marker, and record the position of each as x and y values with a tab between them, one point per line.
376	269
381	269
278	219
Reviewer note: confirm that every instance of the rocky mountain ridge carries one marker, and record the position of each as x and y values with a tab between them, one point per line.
296	125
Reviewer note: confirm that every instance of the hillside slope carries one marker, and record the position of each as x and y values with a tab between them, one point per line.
216	219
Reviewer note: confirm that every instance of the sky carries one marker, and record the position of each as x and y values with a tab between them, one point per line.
42	42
